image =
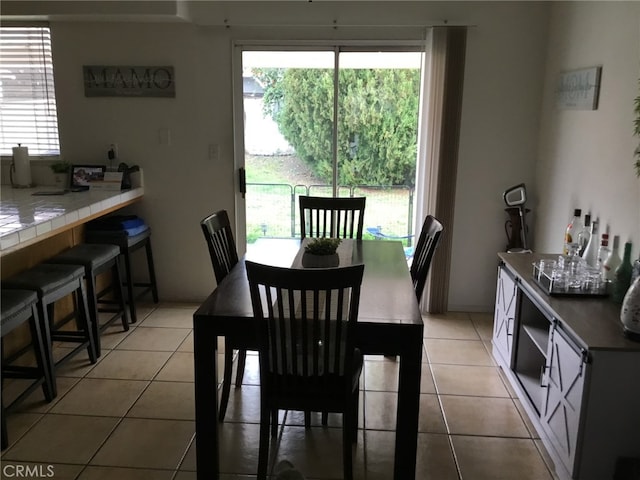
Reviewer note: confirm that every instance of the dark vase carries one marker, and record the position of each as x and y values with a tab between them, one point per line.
311	260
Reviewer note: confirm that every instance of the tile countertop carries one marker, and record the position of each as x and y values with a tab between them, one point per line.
26	219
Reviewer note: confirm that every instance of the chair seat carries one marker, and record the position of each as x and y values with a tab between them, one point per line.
129	233
90	255
18	308
98	258
318	390
117	237
45	278
15	302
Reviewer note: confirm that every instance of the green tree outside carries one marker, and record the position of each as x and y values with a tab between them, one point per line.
377	121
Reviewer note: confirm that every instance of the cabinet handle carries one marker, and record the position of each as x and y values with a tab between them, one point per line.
509	319
585	359
543	369
242	181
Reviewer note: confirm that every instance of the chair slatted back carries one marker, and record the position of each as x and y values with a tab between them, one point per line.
222	247
308	320
425	248
337	217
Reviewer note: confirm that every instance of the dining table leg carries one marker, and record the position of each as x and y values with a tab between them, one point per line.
408	412
206	393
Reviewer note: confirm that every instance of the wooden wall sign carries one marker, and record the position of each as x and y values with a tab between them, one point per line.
128	81
579	89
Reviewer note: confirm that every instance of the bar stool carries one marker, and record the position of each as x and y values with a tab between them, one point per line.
97	259
128	245
51	283
18	307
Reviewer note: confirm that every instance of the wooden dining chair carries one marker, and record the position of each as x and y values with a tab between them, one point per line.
338	217
308	361
423	254
222	250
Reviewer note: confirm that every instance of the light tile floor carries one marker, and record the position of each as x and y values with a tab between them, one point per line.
131	415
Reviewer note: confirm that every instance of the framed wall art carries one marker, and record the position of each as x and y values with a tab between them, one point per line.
128	81
579	89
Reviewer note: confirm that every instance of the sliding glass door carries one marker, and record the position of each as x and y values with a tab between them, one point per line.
328	121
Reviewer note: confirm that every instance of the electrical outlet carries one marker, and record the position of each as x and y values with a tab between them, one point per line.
164	136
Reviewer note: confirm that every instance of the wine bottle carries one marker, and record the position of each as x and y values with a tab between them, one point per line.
622	278
585	235
571	233
603	253
613	260
590	253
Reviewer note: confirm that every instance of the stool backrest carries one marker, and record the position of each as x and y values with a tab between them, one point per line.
222	247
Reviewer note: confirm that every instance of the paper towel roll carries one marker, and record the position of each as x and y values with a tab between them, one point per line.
21	167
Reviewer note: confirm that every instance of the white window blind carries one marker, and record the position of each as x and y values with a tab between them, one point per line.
27	97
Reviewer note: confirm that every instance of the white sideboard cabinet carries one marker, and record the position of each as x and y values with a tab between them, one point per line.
575	373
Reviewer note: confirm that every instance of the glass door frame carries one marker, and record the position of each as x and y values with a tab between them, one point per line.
334	46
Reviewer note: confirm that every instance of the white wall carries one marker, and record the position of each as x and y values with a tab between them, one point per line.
586	157
498	142
500	118
181	185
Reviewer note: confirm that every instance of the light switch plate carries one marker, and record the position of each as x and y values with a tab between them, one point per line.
164	136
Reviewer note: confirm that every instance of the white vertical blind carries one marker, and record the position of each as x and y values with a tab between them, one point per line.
28	112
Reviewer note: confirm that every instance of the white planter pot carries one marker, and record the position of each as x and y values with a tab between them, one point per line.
61	180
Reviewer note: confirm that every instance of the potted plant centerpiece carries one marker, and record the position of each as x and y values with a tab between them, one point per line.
321	253
61	173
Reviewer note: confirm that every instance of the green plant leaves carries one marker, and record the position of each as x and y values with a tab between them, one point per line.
377	121
323	246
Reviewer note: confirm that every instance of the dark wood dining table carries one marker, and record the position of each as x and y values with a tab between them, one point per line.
389	323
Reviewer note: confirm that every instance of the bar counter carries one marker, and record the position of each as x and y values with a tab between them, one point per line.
26	219
35	228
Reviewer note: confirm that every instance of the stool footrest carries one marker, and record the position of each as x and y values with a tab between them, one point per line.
19	371
64	336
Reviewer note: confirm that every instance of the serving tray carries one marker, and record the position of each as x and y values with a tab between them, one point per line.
550	287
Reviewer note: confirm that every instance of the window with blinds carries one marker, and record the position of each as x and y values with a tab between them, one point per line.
27	96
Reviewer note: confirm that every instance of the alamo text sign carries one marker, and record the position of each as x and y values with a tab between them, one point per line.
128	81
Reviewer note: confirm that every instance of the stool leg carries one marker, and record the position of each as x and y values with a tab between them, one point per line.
129	280
92	303
152	271
3	418
5	435
117	287
47	345
39	351
94	343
